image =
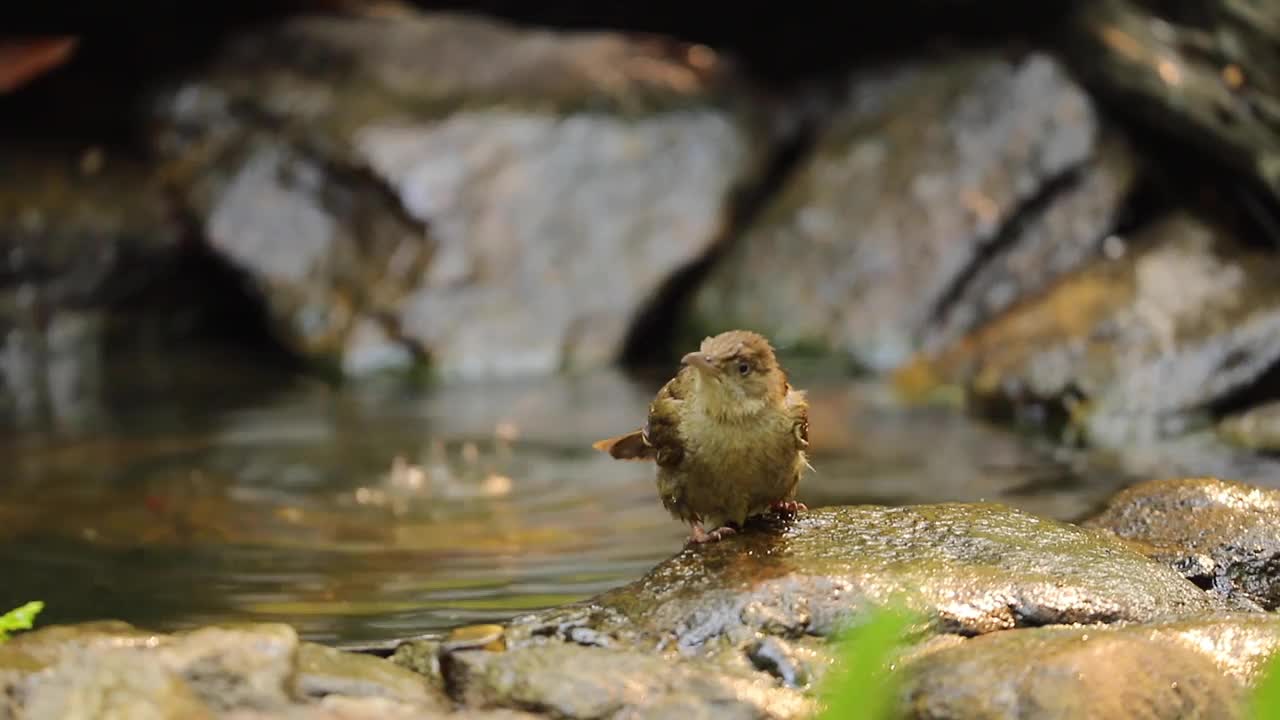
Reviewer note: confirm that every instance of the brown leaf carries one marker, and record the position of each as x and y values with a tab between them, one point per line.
24	59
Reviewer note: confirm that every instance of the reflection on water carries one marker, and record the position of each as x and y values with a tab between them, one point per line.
385	511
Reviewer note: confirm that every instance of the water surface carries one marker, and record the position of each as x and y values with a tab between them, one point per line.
386	510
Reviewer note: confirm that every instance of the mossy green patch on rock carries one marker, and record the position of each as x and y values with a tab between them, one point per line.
1222	535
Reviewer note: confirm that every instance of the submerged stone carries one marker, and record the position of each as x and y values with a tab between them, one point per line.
1222	535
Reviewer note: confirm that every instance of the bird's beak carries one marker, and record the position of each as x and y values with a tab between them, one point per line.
699	361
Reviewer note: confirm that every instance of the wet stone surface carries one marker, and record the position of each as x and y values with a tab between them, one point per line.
740	625
323	671
1168	670
85	671
580	682
968	568
1221	535
733	629
111	669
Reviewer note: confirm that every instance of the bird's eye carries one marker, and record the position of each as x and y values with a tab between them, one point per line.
744	367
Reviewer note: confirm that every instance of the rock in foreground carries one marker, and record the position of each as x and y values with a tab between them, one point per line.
1221	535
111	669
739	625
734	629
1164	671
969	568
571	681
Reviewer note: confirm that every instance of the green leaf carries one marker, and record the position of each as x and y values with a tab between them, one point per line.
862	684
20	618
1266	696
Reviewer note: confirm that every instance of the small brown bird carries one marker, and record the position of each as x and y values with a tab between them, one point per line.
728	434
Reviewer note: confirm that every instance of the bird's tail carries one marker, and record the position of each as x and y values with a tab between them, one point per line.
630	446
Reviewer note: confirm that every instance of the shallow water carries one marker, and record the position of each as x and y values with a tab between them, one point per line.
390	510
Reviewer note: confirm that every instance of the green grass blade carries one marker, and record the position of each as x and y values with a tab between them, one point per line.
19	618
1265	701
862	684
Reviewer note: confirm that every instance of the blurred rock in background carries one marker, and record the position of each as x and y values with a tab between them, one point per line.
497	201
928	171
1133	348
492	189
80	230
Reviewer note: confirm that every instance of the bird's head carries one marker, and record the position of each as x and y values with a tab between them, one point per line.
737	373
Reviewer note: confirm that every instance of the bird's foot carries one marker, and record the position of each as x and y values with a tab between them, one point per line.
701	536
788	507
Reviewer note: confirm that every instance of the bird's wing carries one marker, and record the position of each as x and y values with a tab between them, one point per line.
659	439
662	429
798	407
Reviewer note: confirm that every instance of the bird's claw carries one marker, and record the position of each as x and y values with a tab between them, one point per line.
788	507
701	536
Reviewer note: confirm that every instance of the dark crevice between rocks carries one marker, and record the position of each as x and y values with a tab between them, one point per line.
1146	201
1265	388
773	657
1264	213
1200	580
651	339
1220	195
1033	415
388	201
344	181
1168	181
1008	233
200	300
